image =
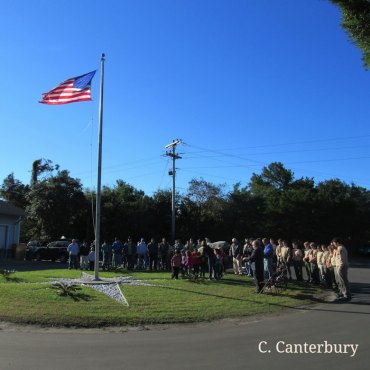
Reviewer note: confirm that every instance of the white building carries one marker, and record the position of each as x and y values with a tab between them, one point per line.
10	226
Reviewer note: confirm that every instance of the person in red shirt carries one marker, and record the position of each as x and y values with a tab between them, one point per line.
176	261
195	256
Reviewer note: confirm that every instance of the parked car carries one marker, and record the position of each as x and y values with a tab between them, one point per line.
364	250
34	243
54	251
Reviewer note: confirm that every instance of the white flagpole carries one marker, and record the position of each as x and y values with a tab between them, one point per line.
98	186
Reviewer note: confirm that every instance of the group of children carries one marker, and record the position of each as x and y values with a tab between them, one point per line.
196	262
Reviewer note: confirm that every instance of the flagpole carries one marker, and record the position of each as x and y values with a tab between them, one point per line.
98	186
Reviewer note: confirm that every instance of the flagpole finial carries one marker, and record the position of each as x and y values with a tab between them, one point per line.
103	56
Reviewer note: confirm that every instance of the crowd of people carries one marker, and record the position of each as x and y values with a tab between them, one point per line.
324	264
191	258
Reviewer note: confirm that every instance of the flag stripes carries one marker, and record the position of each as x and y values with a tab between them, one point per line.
76	89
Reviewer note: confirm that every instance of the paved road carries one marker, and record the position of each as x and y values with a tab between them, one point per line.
230	344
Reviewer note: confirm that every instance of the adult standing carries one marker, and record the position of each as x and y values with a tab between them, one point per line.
268	255
73	250
142	254
129	253
178	246
91	259
210	254
312	257
285	258
164	249
247	251
257	257
297	258
236	252
117	248
190	245
306	259
341	267
106	249
84	252
153	254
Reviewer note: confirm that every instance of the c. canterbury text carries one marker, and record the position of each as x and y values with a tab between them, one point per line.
312	348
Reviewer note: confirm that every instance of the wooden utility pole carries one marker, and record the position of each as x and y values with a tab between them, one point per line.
172	153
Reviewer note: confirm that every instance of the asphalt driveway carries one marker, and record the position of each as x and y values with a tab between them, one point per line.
259	342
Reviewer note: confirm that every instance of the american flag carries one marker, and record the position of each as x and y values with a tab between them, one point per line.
73	90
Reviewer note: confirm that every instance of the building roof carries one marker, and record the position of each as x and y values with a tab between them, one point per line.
9	209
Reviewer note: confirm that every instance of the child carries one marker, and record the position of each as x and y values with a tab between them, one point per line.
195	256
188	263
176	261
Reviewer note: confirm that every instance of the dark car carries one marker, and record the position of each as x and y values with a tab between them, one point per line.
54	251
364	250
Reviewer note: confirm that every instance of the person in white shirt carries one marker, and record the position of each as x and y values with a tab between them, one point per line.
73	250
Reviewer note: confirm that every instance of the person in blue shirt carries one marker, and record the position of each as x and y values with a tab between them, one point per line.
142	255
268	254
117	252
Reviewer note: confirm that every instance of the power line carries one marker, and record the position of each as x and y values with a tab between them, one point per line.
286	143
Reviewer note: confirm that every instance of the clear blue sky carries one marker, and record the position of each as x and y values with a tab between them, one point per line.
243	83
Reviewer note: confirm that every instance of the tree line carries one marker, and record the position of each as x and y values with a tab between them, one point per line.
274	203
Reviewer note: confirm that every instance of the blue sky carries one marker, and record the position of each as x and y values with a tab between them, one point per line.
243	83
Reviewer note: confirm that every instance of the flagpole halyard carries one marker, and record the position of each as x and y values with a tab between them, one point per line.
98	185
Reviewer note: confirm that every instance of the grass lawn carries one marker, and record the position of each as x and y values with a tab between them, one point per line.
28	298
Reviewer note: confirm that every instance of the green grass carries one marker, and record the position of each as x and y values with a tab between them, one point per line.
25	298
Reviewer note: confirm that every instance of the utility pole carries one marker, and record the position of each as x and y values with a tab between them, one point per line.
172	153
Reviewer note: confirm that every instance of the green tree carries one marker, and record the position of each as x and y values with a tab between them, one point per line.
202	209
161	210
13	191
56	207
286	203
244	215
125	211
356	22
342	210
40	166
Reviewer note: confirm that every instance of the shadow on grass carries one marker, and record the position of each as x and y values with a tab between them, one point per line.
309	296
13	280
229	282
80	297
77	297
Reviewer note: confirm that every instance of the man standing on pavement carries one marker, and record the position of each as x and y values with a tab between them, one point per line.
73	250
341	270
